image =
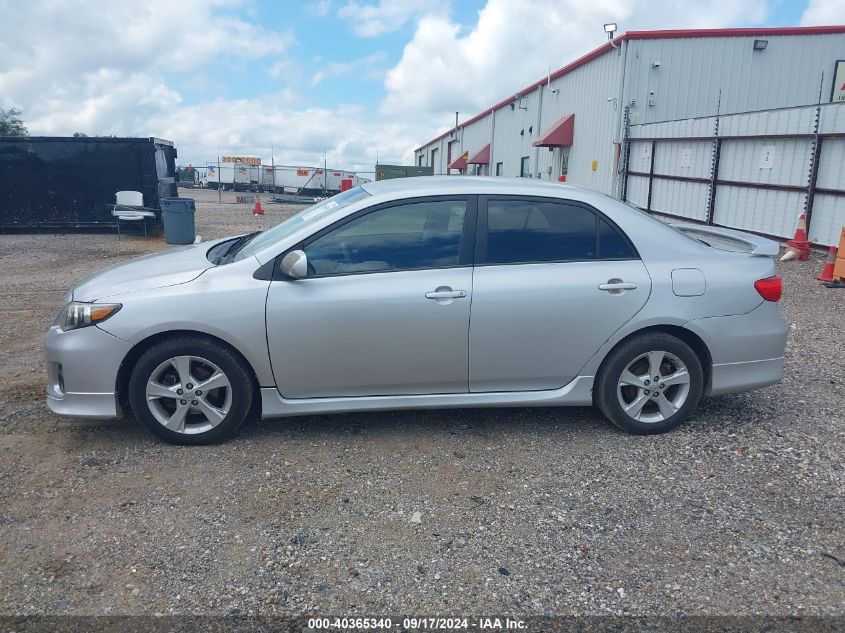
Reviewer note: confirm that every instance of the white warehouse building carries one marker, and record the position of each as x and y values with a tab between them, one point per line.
734	127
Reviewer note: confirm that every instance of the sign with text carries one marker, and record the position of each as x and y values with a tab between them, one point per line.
767	157
246	160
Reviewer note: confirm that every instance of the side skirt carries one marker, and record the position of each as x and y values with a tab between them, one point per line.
579	392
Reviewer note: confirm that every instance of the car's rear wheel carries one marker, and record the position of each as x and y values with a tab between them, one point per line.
191	390
649	384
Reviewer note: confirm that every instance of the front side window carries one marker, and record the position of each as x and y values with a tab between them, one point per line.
524	231
302	219
402	237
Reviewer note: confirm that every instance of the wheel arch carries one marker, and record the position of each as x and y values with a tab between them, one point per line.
131	359
687	336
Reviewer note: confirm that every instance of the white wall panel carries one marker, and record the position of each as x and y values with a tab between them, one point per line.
692	71
683	158
637	193
832	164
639	158
828	219
741	160
686	199
702	127
832	118
762	210
783	121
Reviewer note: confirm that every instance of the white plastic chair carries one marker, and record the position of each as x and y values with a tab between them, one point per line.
129	207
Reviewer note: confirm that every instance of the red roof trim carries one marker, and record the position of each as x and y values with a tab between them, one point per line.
460	162
559	135
648	35
482	157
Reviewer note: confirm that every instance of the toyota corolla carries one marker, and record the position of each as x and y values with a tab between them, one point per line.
425	293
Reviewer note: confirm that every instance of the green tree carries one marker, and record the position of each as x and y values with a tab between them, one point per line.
11	123
185	174
80	135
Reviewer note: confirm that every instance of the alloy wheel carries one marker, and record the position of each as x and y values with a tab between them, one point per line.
653	387
188	394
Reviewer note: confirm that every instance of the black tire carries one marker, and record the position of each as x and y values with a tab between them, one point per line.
231	364
606	394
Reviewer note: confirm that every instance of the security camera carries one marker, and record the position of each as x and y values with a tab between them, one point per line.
655	64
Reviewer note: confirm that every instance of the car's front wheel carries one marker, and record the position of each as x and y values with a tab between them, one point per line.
190	390
649	384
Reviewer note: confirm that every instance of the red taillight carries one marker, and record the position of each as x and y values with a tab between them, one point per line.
769	288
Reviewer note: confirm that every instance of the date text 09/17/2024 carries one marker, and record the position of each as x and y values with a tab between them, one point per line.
418	624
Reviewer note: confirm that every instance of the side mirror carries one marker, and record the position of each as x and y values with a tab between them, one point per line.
294	265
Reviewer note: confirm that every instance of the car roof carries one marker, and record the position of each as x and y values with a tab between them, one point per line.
434	185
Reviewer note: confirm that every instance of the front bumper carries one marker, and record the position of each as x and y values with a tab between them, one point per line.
746	349
82	368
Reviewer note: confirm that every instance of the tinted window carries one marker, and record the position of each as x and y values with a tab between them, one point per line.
419	235
611	243
525	231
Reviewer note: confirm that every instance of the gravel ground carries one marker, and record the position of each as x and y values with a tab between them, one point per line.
521	511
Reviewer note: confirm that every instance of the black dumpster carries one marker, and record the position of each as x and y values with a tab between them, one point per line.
60	183
177	214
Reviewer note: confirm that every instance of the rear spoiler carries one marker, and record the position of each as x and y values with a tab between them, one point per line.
730	240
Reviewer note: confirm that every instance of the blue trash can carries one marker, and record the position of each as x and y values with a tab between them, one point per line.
177	215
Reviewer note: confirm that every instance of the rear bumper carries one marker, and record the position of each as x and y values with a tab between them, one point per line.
736	377
746	349
82	368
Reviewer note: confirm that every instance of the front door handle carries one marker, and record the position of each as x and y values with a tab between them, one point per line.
616	286
446	293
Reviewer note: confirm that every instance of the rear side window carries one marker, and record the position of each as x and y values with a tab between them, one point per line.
612	244
524	231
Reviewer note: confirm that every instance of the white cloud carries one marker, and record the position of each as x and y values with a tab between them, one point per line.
821	12
109	69
104	69
365	66
252	126
444	69
372	20
319	9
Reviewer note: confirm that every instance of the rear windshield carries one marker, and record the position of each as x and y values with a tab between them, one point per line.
303	218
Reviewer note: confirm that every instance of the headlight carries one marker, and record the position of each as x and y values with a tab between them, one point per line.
76	314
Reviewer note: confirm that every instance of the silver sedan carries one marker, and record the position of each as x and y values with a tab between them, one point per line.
425	293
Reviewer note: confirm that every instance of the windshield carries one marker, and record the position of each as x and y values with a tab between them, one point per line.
303	218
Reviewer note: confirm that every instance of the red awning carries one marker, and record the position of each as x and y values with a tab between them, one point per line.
482	157
559	135
460	162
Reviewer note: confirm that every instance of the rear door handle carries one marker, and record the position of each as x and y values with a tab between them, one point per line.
615	286
446	294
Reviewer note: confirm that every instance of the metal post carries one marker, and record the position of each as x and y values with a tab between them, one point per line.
814	161
219	178
714	163
650	177
626	153
273	165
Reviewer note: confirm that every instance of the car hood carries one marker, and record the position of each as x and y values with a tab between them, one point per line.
166	268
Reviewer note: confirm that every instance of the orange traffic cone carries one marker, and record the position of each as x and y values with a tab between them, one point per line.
827	271
257	210
799	244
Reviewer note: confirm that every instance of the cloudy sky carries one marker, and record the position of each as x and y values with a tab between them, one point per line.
354	77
